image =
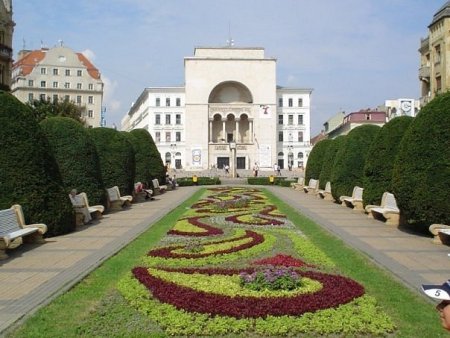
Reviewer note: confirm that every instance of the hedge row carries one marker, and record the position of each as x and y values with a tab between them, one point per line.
188	181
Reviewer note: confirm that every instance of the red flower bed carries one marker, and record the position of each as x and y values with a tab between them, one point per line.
210	231
267	211
264	221
282	260
336	290
168	252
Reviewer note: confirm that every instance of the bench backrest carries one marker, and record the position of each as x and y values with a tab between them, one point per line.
301	180
357	193
8	222
313	183
328	187
113	193
388	201
155	183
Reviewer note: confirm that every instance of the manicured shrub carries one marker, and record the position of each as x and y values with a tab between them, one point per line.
262	180
315	160
421	175
187	181
117	158
380	162
328	161
76	156
149	164
29	174
348	168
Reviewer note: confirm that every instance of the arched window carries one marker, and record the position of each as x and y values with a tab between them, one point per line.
300	155
280	154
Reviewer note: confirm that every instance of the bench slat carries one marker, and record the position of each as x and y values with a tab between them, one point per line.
8	222
20	233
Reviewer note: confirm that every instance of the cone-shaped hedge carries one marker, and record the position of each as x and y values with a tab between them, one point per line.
29	174
348	169
315	160
329	158
421	176
76	156
379	165
117	158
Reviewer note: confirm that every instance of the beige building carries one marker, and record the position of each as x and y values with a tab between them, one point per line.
6	36
59	73
434	72
230	112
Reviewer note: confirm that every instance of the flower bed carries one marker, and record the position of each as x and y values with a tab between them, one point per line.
255	275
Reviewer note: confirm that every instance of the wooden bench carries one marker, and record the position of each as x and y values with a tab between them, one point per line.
299	184
313	186
13	230
355	201
326	193
388	210
158	189
84	213
141	193
441	233
117	202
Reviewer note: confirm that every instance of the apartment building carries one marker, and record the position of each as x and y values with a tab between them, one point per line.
6	36
59	73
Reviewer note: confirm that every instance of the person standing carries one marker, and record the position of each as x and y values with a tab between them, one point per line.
255	170
278	170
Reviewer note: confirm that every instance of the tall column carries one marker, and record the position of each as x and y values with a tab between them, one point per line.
223	130
237	130
251	131
210	131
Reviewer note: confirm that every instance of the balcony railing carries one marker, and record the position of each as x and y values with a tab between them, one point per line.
424	72
5	51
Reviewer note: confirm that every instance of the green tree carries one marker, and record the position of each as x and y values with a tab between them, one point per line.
421	175
315	160
29	175
44	108
379	165
76	156
329	159
348	168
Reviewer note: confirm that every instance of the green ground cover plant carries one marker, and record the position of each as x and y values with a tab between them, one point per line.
381	306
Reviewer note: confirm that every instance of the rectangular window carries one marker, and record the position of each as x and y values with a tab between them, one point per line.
157	137
55	98
67	72
158	102
55	84
167	136
280	119
290	120
178	119
178	102
43	84
438	84
290	102
67	97
178	136
300	102
167	118
280	136
300	136
30	83
90	99
79	99
157	119
91	86
55	71
300	119
67	85
79	72
168	102
79	86
43	71
280	102
42	97
30	97
90	113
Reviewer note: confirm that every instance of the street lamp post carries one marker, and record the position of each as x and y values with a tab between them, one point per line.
233	158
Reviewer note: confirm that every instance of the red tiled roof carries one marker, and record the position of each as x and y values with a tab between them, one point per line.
93	72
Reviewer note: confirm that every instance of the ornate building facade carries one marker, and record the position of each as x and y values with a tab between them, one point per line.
6	37
230	112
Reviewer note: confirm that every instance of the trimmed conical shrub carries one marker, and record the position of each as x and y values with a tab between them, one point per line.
117	158
421	176
29	174
76	156
348	169
328	161
379	165
315	160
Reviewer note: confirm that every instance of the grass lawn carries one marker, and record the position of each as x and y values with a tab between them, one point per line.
111	302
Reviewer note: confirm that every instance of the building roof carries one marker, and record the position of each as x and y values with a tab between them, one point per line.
443	12
29	61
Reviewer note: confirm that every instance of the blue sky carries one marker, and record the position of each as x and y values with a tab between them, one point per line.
355	54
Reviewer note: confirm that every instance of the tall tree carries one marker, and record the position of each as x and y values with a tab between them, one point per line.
45	108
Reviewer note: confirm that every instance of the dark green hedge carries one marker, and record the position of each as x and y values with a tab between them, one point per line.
348	168
380	162
149	164
421	175
117	158
187	181
328	161
262	180
29	175
315	160
76	156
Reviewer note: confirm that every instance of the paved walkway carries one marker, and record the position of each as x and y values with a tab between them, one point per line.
36	274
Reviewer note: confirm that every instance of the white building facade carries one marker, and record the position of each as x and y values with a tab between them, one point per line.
230	112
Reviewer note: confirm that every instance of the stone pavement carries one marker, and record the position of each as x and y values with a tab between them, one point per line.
36	274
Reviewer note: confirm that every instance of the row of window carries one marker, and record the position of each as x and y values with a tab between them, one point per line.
168	136
55	84
67	72
290	102
291	137
56	97
168	102
290	119
168	119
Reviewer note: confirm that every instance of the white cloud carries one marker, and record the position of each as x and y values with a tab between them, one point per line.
89	54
